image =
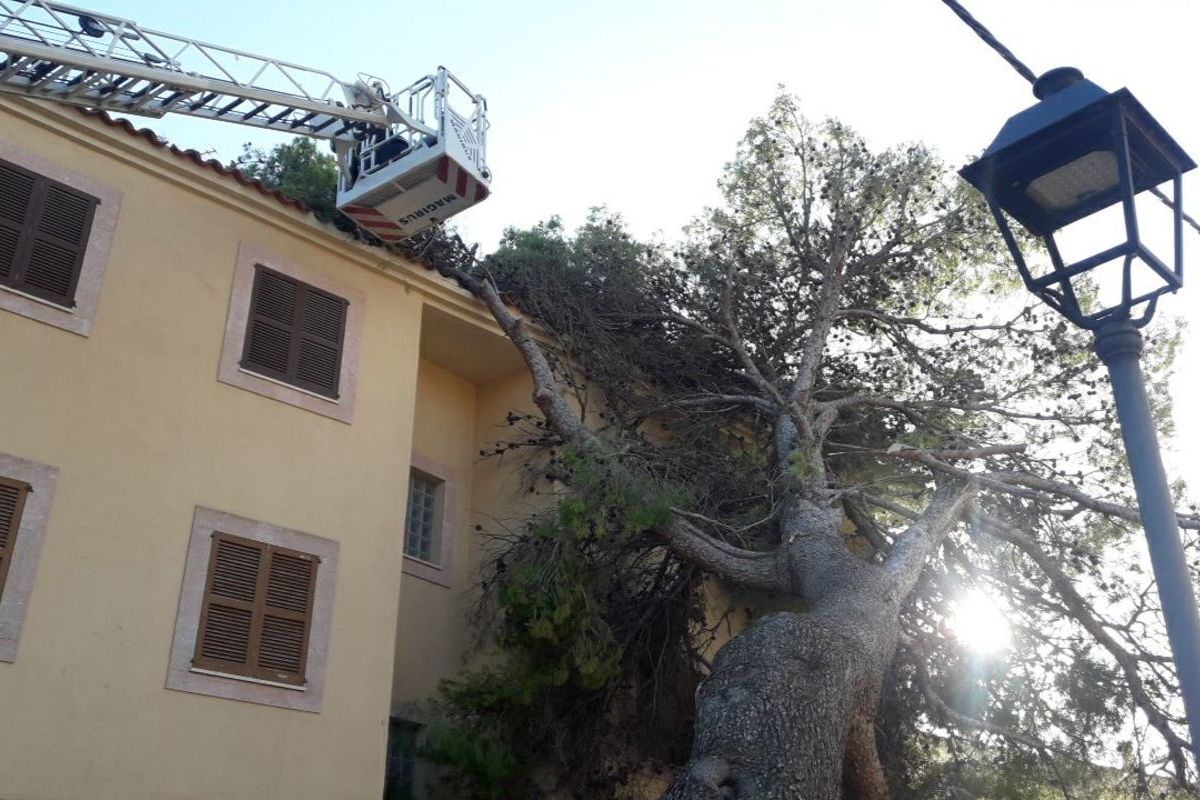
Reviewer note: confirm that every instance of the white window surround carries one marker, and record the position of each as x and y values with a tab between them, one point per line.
79	319
231	371
14	598
422	535
183	677
452	486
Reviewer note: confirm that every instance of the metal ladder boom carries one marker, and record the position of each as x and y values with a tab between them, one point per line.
73	55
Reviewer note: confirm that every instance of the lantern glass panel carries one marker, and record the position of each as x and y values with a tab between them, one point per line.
1076	182
1156	224
1103	286
1092	234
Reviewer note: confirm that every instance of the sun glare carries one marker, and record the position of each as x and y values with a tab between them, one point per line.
979	624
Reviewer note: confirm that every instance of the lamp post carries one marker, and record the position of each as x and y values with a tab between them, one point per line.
1077	151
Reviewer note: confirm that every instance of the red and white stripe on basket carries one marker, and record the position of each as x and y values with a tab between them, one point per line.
448	172
375	222
464	185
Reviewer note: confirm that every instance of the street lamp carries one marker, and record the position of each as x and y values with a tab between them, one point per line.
1076	152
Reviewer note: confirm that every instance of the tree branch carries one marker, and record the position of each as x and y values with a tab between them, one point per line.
865	526
739	347
951	716
746	568
1023	484
707	400
918	454
546	394
864	313
824	313
1081	611
830	409
913	547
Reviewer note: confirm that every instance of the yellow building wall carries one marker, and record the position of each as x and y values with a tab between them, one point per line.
457	419
432	634
142	432
500	493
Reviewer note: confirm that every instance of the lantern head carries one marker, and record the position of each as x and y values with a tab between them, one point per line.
1077	151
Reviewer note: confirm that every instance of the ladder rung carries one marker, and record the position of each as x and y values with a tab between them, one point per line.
202	101
49	75
174	98
85	82
167	104
255	111
150	87
304	119
280	116
225	109
323	125
143	97
114	85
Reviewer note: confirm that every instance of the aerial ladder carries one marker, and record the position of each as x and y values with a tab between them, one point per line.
406	159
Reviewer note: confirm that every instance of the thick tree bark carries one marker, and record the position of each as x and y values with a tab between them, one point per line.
788	704
862	771
788	711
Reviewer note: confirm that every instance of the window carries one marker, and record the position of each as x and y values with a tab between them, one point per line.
12	503
400	784
255	613
257	610
26	495
422	532
56	231
44	227
433	511
295	333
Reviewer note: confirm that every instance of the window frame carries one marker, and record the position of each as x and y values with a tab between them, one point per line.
231	371
450	520
13	534
93	265
297	335
433	555
27	235
183	674
259	609
26	548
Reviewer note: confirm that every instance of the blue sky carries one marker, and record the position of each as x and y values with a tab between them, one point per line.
637	105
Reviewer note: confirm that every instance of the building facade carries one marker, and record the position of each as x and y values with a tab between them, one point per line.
214	411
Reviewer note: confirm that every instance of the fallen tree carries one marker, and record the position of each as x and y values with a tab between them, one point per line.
836	382
832	397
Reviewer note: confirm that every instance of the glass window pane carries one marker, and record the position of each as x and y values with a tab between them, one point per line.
421	534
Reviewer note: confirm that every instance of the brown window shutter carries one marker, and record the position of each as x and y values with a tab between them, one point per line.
270	327
287	616
322	331
16	196
257	610
226	636
44	228
12	503
295	333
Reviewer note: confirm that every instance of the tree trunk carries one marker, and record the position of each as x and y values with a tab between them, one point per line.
788	711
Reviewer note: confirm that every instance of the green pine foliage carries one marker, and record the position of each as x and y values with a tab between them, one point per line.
560	590
300	171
